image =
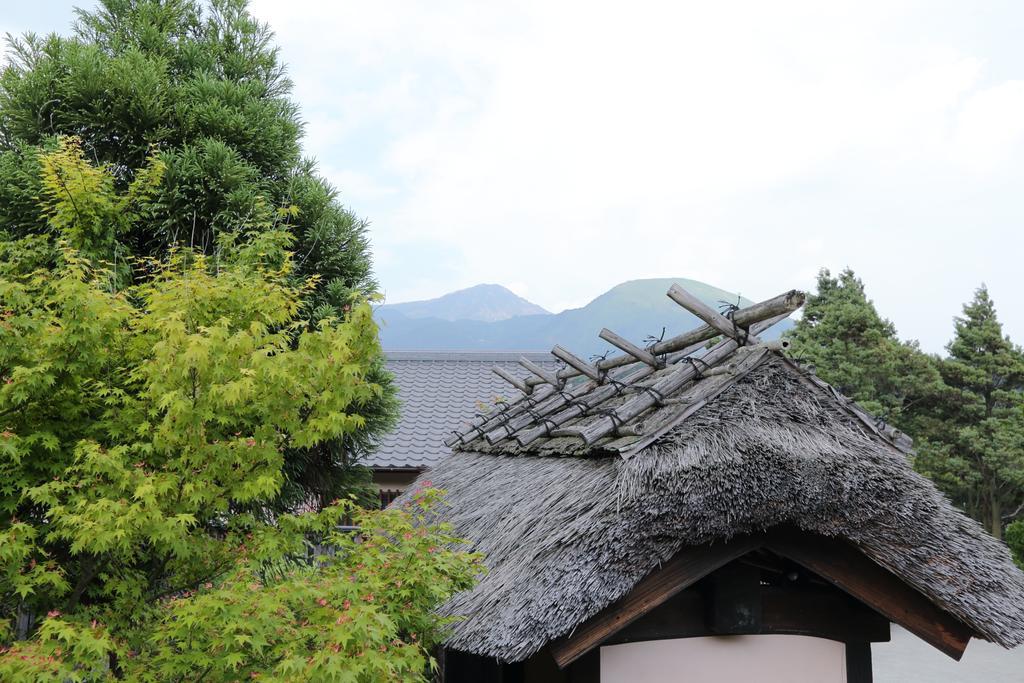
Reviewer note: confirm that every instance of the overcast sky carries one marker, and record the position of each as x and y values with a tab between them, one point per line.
559	148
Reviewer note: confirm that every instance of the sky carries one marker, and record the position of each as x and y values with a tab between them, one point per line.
559	148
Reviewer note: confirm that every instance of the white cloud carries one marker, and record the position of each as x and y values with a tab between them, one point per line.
568	146
990	127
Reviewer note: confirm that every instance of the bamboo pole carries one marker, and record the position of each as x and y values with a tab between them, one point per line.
512	379
548	377
629	347
683	344
745	317
669	384
582	366
582	406
709	315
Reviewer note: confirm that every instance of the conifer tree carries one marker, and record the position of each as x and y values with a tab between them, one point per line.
852	347
201	87
981	427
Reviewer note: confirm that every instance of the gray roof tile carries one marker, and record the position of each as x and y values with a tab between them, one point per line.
439	393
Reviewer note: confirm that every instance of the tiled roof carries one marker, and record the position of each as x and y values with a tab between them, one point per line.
439	392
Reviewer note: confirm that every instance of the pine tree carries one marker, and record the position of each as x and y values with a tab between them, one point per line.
204	91
982	426
852	347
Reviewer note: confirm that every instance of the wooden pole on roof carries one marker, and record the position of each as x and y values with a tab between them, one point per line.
587	398
512	379
683	344
709	315
566	413
667	385
642	355
582	366
745	317
548	377
635	429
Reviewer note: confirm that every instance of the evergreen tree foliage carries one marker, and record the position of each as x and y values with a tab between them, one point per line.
965	412
980	433
199	88
1015	539
856	350
145	428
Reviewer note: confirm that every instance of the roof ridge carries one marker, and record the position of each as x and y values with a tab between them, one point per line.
596	402
878	426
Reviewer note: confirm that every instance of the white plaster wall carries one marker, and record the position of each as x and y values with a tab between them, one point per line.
721	659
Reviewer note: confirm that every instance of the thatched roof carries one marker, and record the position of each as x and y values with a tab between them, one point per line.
762	445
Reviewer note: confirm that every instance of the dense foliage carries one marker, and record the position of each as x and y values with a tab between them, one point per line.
851	346
979	440
197	89
147	412
965	411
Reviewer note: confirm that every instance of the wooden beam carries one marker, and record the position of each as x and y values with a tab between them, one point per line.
592	398
642	355
548	377
781	305
673	382
801	610
684	344
686	568
858	663
512	379
709	315
848	569
582	366
822	612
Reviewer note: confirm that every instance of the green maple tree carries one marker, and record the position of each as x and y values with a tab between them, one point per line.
145	423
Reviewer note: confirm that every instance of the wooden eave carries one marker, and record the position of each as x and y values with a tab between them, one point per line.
835	561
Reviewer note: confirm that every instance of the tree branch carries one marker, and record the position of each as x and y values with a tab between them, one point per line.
1013	515
90	567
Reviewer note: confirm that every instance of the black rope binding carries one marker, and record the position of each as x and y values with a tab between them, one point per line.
531	401
659	398
693	363
650	341
729	309
537	417
612	415
595	360
620	386
549	425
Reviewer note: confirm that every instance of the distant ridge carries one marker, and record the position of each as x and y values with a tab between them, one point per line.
487	303
636	309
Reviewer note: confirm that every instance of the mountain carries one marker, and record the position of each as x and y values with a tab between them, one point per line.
487	303
637	310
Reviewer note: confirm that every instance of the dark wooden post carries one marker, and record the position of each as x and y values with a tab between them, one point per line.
858	663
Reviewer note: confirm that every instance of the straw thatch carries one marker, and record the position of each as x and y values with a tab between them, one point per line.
566	536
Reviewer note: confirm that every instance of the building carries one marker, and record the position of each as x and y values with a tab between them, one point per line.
660	516
439	392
